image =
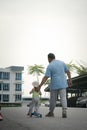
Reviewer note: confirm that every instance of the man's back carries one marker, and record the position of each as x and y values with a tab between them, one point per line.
56	70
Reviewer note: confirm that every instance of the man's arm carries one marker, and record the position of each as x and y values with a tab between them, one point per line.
44	79
69	78
40	93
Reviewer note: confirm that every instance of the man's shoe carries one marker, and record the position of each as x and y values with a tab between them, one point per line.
64	114
50	114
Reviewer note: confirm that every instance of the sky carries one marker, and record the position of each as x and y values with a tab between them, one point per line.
30	29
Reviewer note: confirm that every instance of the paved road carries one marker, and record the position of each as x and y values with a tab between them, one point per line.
16	119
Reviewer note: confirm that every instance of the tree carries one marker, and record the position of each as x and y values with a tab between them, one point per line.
71	66
79	68
36	70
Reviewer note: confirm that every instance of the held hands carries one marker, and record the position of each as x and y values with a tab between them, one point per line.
39	87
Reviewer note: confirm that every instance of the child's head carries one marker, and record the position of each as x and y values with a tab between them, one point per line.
35	84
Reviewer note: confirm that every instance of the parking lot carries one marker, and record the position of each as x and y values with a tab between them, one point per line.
16	118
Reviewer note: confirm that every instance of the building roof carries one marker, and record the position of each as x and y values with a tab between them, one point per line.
16	68
79	84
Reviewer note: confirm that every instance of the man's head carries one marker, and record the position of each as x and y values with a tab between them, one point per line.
51	57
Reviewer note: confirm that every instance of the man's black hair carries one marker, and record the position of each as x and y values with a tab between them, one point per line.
51	55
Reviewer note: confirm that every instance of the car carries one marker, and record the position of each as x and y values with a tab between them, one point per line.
81	101
47	103
58	104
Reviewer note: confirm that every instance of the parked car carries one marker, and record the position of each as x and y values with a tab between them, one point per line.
58	104
81	102
47	103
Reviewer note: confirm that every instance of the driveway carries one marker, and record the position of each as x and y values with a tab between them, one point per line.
15	118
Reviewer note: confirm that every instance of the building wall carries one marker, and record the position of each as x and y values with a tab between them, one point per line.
11	89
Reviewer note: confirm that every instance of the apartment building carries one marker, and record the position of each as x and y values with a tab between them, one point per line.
11	85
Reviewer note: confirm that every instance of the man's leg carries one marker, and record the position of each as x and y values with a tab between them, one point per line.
53	98
63	102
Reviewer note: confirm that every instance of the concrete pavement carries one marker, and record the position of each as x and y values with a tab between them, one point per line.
15	118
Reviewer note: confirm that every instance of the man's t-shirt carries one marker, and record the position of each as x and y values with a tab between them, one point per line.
56	71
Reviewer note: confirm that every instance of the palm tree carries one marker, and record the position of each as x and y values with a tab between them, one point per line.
71	66
36	70
79	69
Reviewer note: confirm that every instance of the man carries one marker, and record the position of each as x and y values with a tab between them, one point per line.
56	70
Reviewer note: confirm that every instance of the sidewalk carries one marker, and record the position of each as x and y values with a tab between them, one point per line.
16	118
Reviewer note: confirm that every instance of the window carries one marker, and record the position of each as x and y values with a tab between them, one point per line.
5	98
5	86
0	86
18	76
6	75
0	75
0	97
17	97
18	87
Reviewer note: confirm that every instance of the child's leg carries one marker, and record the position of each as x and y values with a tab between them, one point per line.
31	107
37	103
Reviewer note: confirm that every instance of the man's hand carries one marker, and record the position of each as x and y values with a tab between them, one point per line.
70	82
39	88
44	79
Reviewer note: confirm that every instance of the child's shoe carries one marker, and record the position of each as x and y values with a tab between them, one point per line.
28	114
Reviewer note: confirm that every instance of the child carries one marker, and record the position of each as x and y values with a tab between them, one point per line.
35	99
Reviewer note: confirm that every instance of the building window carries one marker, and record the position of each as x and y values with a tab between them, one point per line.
1	75
17	97
5	86
6	75
0	86
0	97
18	87
5	98
18	76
